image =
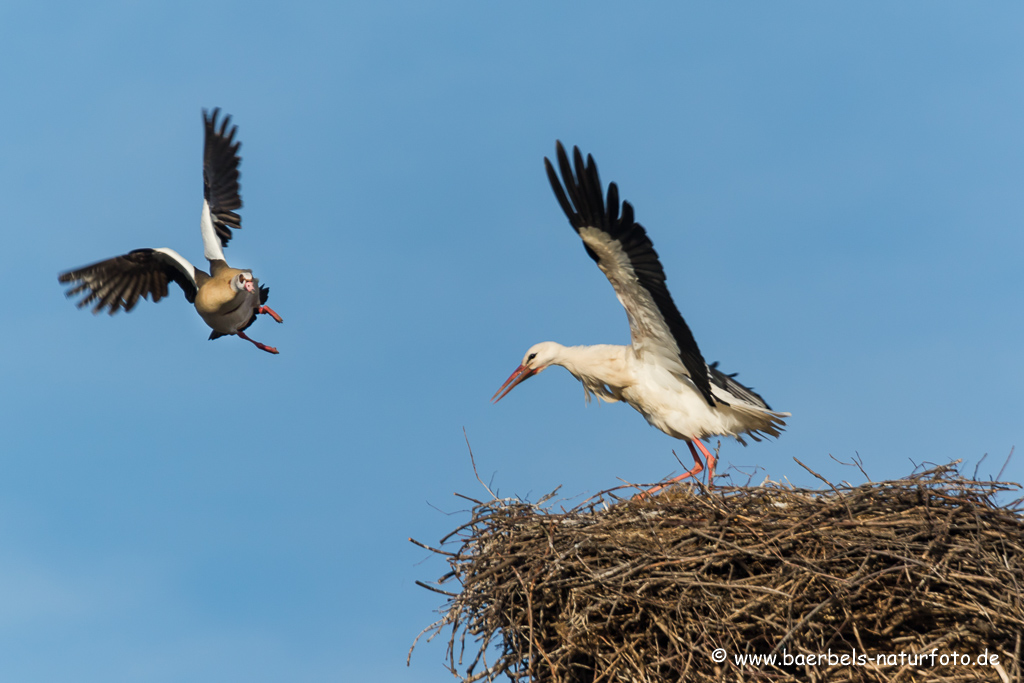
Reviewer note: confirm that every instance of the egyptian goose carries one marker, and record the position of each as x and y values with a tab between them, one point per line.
228	299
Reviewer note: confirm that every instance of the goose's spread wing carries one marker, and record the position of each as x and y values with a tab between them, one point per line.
625	254
119	282
220	184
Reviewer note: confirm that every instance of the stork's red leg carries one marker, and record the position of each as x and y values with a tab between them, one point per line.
269	311
268	349
711	460
698	467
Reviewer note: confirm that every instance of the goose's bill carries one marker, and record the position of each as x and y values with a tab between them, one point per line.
521	374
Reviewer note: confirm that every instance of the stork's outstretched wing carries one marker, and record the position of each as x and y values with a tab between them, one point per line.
624	252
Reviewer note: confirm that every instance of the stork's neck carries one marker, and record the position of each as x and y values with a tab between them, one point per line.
598	367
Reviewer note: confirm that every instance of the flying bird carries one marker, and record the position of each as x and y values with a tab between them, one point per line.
228	299
662	374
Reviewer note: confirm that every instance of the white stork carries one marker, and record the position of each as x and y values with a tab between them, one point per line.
662	374
228	299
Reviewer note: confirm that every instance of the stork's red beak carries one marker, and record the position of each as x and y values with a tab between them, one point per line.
521	374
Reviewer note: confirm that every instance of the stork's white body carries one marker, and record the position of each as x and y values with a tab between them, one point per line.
666	398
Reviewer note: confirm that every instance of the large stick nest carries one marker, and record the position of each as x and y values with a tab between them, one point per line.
648	590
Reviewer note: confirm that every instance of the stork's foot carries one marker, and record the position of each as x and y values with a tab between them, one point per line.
698	467
264	347
270	311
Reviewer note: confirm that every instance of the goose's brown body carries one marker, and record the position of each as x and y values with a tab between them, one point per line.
225	309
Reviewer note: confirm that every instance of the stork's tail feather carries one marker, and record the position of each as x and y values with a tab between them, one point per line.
758	423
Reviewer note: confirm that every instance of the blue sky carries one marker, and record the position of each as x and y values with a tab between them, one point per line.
835	190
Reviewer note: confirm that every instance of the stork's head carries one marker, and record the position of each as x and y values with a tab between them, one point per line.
536	359
243	282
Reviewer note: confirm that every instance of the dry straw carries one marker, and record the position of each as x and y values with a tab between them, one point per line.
647	590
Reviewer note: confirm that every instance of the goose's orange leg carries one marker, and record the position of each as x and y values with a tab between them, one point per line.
268	349
269	311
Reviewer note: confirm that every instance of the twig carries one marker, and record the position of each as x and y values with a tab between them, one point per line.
473	460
